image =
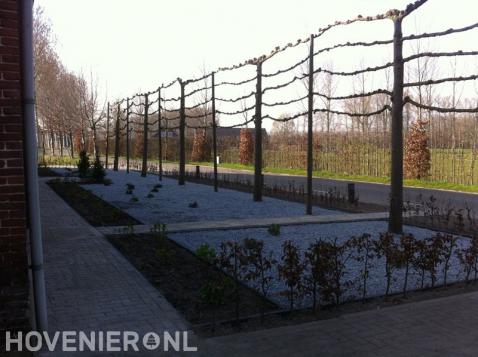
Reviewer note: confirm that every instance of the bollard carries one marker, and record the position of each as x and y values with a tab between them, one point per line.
198	172
351	192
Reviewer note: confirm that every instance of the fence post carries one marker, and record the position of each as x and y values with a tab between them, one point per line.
214	127
160	140
182	125
107	134
396	195
258	139
127	135
310	134
144	167
117	139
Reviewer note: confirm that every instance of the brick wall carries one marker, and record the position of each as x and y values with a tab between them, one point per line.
13	253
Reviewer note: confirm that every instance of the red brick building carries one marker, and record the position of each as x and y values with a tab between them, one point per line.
15	311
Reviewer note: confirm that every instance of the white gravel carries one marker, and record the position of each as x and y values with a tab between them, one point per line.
303	236
171	203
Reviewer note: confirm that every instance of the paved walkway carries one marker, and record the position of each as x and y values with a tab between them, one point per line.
440	327
250	223
90	285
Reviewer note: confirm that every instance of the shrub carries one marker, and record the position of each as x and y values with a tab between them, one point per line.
193	205
206	253
417	160
408	248
231	260
274	229
448	248
149	195
290	270
213	294
246	146
469	259
134	199
98	173
333	259
364	253
129	188
313	263
387	247
83	164
159	230
259	267
201	150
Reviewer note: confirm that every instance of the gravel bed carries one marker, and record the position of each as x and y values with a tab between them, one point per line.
171	203
304	235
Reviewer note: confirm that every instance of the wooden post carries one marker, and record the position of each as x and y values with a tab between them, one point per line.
258	140
128	137
214	131
107	134
396	194
144	167
182	142
117	139
310	134
160	141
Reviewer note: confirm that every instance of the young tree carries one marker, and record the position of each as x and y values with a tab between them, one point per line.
92	110
417	161
408	247
387	248
364	253
231	259
259	267
291	269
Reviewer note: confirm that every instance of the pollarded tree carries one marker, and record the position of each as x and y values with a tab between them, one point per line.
246	147
417	161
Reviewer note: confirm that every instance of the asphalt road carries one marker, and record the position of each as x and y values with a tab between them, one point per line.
367	192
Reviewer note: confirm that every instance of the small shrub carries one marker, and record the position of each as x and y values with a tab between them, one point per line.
98	172
290	270
193	204
83	164
150	195
387	248
364	254
231	259
206	253
408	248
274	229
129	188
159	230
259	267
134	199
213	294
469	259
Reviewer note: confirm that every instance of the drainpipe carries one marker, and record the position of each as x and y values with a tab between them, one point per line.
31	164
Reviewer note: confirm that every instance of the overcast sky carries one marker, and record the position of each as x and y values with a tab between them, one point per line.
136	45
